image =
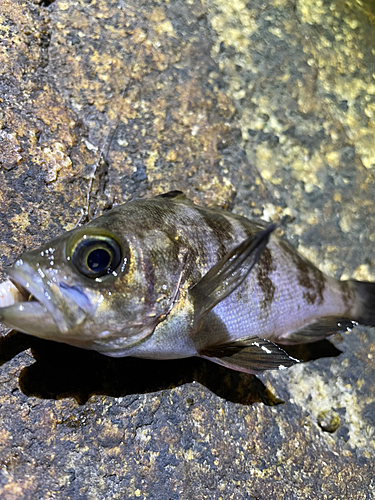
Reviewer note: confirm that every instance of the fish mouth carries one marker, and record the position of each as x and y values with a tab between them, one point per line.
28	314
38	310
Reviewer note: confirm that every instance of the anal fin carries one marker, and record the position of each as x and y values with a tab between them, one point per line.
318	330
249	355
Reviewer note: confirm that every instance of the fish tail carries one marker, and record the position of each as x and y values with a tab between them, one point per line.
364	308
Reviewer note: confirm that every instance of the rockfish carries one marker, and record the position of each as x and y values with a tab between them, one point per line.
164	278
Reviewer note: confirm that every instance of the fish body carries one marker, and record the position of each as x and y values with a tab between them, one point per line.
163	278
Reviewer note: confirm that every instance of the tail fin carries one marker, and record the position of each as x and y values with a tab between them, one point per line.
364	309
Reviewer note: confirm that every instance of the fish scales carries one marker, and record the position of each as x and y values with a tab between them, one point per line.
163	278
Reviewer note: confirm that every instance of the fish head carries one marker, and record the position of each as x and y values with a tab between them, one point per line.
103	286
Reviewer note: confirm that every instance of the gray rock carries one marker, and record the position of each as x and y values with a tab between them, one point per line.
266	107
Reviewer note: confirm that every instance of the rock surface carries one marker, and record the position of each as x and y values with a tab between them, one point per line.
264	107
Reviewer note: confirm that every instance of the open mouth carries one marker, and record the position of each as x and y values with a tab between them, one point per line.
41	304
22	294
23	304
10	293
28	286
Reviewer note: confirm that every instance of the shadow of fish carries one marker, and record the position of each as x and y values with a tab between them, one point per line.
163	278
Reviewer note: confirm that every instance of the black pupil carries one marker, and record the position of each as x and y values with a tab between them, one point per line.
98	260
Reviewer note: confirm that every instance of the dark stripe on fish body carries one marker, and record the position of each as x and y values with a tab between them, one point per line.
248	228
187	228
222	230
347	294
309	277
264	268
150	277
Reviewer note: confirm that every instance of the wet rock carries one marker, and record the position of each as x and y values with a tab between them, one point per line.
328	420
264	107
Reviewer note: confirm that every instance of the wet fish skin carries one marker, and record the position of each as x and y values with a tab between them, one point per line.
154	303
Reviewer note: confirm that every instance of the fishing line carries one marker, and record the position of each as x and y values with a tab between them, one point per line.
104	150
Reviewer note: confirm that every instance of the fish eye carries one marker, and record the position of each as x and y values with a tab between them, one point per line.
95	256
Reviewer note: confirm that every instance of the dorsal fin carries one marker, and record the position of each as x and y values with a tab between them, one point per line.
173	195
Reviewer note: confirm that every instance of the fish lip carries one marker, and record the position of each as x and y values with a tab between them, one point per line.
29	284
51	295
31	318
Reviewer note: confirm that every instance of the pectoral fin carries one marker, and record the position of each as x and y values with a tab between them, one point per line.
225	276
249	355
318	330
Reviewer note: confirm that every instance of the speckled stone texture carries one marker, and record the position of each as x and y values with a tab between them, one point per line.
264	107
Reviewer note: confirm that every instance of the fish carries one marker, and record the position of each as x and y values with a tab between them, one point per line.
164	278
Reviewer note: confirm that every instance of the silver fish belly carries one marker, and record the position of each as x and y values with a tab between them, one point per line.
163	278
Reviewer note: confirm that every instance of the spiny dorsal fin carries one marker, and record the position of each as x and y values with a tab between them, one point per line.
249	355
225	276
173	195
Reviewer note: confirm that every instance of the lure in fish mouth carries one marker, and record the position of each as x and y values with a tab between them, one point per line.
163	278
